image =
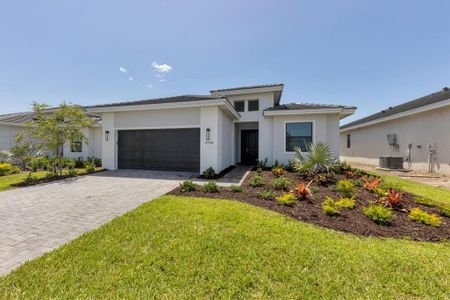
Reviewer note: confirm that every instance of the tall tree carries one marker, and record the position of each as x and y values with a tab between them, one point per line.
53	128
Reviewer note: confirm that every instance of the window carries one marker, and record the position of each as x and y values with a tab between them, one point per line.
239	106
253	105
299	135
349	141
76	144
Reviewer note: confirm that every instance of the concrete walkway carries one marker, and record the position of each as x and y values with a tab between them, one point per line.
37	219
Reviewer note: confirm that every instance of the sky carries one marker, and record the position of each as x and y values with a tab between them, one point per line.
366	53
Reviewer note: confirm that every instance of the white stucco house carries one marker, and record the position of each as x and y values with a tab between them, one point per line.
192	133
417	131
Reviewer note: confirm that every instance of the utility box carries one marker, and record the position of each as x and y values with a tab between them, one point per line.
391	162
392	139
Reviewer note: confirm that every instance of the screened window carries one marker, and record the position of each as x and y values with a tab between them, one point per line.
239	106
349	141
76	144
299	135
253	105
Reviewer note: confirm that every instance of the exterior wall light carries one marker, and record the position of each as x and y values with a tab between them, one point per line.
208	134
106	135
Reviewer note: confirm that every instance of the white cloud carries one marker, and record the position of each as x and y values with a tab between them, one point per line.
131	78
162	80
122	69
163	68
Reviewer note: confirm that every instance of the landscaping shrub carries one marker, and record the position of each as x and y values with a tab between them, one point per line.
278	171
256	180
371	184
79	163
266	195
325	179
318	159
89	165
209	173
302	190
71	165
211	187
393	198
262	163
380	192
5	169
329	207
236	189
358	182
259	171
423	217
97	161
281	183
346	203
314	189
379	214
187	186
345	188
286	199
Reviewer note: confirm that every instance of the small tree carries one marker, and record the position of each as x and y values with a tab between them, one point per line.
53	128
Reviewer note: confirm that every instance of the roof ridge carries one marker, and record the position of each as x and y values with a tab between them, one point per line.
248	87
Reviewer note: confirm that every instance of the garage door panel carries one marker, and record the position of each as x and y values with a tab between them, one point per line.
160	149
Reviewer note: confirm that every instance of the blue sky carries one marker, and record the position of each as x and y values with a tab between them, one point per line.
371	54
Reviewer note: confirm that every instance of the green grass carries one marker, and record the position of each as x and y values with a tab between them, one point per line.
8	182
177	247
439	195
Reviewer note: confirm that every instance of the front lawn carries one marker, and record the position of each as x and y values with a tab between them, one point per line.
179	247
12	181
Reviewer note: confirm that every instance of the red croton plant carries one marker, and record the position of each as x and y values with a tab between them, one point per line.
371	184
394	198
302	191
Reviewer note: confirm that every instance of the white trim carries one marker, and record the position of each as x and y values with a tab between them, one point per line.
400	115
299	121
340	111
248	91
158	127
197	103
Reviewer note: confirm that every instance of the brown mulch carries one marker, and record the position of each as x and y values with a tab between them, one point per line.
350	220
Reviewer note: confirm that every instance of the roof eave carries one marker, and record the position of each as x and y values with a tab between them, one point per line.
245	91
344	112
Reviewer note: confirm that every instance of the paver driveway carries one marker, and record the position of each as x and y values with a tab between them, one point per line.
36	219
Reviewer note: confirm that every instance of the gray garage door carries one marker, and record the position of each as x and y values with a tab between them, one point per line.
160	149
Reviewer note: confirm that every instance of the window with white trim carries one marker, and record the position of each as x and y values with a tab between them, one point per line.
298	134
239	106
76	143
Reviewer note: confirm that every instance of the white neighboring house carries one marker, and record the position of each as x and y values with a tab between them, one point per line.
192	133
419	131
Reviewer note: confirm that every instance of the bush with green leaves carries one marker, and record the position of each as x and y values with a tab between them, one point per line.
281	183
329	207
286	199
379	214
262	163
420	216
5	169
349	203
266	195
89	165
211	187
444	210
209	173
425	201
236	188
314	189
345	188
71	166
97	161
187	186
256	181
319	158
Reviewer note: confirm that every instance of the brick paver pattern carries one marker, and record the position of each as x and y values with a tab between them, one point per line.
37	219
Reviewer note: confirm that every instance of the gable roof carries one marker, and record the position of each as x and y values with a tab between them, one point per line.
173	99
249	87
418	103
17	118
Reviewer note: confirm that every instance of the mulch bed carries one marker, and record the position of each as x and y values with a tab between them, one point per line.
350	220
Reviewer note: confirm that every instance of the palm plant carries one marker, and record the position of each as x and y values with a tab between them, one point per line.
320	158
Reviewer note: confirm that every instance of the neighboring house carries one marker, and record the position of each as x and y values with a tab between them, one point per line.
192	133
418	131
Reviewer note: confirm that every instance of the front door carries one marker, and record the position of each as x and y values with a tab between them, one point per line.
249	146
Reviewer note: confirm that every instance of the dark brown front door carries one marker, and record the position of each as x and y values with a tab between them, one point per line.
249	146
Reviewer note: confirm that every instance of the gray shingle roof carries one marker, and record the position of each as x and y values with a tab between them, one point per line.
442	95
174	99
249	87
300	106
17	118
